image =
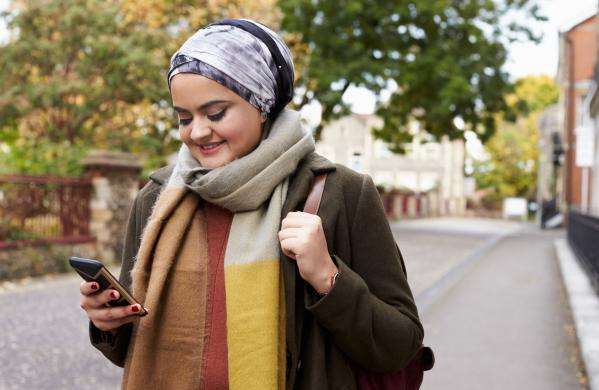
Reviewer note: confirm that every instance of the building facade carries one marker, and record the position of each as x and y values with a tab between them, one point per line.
427	167
576	72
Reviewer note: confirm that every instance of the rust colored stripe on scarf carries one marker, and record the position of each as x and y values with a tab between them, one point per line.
215	367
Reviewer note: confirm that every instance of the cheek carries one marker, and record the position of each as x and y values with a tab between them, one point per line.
241	143
241	135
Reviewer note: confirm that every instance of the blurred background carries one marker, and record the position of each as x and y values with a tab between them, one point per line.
476	119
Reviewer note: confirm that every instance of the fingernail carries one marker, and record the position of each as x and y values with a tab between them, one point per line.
94	286
135	309
113	295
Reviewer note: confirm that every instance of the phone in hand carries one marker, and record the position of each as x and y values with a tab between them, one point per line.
94	270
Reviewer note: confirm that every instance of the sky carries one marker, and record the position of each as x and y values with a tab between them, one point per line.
529	58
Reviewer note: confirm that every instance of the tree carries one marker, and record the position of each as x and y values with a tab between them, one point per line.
71	72
511	167
81	74
444	57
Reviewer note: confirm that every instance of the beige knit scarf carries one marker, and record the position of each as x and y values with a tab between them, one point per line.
170	274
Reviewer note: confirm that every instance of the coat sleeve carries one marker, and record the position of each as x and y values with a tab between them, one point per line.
370	311
114	346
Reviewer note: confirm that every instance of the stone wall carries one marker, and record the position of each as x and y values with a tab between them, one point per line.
115	177
40	260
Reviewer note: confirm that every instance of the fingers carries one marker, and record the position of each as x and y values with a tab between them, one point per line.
111	318
88	288
290	246
105	318
98	300
290	232
296	219
117	313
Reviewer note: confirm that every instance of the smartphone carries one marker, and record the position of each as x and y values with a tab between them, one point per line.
94	270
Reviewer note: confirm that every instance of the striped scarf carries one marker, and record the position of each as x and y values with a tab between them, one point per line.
173	272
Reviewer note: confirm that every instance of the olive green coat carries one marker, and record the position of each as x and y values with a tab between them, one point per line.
369	316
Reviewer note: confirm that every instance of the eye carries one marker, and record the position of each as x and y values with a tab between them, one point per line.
218	116
184	121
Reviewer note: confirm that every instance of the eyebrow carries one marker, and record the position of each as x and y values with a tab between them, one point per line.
203	106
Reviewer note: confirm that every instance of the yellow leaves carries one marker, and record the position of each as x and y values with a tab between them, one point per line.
78	100
155	13
34	74
161	13
300	52
264	11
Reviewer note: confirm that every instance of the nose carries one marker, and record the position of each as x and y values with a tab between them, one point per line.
200	131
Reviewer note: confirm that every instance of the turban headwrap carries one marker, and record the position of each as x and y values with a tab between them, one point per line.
235	59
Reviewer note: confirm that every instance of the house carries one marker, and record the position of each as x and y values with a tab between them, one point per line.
427	167
577	105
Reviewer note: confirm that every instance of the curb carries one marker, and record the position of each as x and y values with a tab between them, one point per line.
431	294
584	304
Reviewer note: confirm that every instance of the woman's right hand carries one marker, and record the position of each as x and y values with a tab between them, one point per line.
105	318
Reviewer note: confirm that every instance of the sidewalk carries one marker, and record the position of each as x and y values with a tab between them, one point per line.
584	304
506	324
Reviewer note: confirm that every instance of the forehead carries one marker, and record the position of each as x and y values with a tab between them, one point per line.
194	89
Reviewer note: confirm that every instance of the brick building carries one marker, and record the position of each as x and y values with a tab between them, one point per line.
576	72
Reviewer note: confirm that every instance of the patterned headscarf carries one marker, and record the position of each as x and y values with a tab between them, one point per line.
235	59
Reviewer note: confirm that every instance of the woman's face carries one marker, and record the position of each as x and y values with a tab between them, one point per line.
215	123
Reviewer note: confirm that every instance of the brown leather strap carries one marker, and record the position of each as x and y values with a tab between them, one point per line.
315	195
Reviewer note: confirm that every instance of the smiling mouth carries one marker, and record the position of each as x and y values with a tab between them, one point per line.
211	146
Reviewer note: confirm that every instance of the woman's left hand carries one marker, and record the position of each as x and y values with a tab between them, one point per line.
302	238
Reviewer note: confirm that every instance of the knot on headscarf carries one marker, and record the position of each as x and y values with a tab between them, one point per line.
235	59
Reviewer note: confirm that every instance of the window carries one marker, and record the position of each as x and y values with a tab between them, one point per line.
356	161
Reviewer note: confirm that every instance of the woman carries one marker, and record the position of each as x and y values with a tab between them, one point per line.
244	290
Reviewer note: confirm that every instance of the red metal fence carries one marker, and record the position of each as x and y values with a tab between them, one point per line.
43	209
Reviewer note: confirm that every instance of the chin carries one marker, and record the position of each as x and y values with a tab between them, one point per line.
212	162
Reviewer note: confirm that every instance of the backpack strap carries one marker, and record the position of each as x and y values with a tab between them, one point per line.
315	195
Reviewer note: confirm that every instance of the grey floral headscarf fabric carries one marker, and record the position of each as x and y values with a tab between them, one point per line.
235	59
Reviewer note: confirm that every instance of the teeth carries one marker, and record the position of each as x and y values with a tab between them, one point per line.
211	146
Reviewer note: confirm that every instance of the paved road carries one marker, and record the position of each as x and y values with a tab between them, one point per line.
432	247
507	324
44	341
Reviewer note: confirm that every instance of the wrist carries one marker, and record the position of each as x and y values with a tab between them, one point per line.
327	280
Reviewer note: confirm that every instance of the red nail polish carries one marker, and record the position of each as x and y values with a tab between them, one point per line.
135	309
113	294
94	286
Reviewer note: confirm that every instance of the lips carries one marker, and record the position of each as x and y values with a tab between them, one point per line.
210	148
211	145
